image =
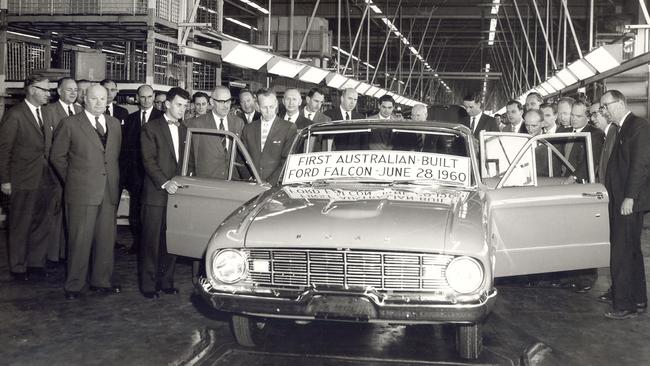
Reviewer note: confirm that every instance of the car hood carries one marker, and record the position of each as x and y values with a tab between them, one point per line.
410	219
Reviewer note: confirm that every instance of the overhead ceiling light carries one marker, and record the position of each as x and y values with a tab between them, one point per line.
363	88
350	83
604	58
243	55
335	80
233	20
372	90
549	88
567	77
400	100
312	74
556	83
380	93
541	91
284	67
254	5
582	69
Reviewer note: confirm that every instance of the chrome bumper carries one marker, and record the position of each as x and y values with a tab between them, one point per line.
346	306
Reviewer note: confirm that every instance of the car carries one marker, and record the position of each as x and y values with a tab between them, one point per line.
401	222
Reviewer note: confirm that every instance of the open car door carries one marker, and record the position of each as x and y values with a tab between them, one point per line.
540	219
208	195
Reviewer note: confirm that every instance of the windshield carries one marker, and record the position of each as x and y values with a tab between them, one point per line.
380	155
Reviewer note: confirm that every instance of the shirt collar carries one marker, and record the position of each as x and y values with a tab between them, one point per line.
292	116
552	129
343	112
477	117
65	106
148	110
624	117
91	117
580	129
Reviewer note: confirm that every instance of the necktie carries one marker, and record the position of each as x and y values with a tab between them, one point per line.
473	125
266	127
223	139
347	115
108	110
99	127
40	121
70	112
143	120
175	123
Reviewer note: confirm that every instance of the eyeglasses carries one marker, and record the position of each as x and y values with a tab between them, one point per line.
224	101
606	105
43	89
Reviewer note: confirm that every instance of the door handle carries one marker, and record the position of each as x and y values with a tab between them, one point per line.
599	195
184	186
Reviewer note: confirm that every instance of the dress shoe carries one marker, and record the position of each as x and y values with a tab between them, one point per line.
19	276
641	307
170	291
606	297
621	314
151	294
106	290
72	295
37	272
582	289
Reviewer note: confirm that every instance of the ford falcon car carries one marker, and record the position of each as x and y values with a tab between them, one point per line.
400	222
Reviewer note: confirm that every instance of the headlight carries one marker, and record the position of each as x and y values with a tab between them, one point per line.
229	266
464	274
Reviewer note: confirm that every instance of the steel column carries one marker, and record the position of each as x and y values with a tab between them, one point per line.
573	31
311	20
530	51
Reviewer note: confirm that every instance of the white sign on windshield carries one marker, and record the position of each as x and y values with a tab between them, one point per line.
439	196
378	165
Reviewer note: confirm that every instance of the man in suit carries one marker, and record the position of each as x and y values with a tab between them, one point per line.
131	169
515	112
610	130
82	86
345	111
576	152
112	109
419	112
269	139
381	139
247	103
25	176
64	107
627	183
478	121
292	101
211	154
85	154
159	101
313	103
201	102
163	145
564	107
549	111
534	100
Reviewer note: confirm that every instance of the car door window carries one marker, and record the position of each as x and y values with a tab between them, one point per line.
498	150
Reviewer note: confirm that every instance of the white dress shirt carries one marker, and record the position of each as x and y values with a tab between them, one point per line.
32	109
291	118
551	130
343	112
249	116
217	122
173	129
102	120
147	115
66	106
266	128
476	119
309	115
620	125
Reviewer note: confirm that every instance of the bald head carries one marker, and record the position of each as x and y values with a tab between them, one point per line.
292	101
95	98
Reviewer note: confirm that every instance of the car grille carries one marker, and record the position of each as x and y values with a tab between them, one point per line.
398	271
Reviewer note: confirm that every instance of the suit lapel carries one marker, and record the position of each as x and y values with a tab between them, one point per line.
28	114
182	135
275	129
89	130
113	130
168	136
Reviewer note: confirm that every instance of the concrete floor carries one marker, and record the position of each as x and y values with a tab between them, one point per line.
39	327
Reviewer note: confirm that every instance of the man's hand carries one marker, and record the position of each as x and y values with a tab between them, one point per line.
171	186
569	180
626	207
6	188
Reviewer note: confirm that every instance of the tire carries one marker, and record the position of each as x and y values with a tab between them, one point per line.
247	331
469	341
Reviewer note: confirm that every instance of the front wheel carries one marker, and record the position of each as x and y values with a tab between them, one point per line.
248	331
469	341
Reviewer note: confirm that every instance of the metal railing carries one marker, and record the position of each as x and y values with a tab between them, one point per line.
204	74
23	58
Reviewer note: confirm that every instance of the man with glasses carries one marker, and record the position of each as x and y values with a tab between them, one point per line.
210	153
159	101
131	168
26	177
628	184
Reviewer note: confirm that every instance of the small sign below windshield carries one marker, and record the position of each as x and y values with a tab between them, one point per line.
378	165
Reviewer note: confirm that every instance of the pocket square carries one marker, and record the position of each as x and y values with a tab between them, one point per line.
277	141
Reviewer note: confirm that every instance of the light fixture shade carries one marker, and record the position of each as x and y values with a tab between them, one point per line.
582	69
312	74
335	80
567	77
380	93
541	90
556	83
372	90
399	99
350	83
243	55
606	57
363	88
284	67
549	88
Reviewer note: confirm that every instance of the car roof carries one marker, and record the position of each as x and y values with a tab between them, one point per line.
396	123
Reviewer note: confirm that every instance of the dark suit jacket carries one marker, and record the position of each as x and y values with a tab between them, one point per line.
335	114
610	140
159	159
209	159
318	117
56	113
269	162
24	148
120	113
628	170
85	166
131	167
301	122
352	141
578	155
485	123
242	116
